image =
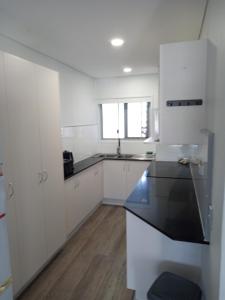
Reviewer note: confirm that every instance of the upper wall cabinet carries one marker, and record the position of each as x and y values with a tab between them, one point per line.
183	70
78	106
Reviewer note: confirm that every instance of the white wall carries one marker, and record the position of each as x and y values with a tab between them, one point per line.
78	106
127	87
81	140
214	30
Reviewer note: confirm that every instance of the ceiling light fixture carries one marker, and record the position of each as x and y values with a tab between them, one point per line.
127	70
117	42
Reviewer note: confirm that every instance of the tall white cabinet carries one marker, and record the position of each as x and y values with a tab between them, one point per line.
33	165
183	75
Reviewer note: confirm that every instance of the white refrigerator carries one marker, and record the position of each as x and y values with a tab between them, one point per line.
5	270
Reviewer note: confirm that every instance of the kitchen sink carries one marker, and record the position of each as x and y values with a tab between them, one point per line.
124	155
108	155
119	156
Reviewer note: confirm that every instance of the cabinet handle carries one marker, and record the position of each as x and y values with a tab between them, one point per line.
40	177
5	285
45	175
10	190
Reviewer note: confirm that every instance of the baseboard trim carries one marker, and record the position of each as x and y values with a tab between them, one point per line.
109	201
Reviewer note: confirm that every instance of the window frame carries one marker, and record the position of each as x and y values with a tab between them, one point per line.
126	123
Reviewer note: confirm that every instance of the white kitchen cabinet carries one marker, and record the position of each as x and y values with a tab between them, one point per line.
73	203
77	91
51	156
32	166
115	179
183	73
120	177
135	170
25	163
83	192
96	185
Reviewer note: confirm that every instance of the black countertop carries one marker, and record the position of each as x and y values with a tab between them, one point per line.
169	169
168	204
91	161
83	165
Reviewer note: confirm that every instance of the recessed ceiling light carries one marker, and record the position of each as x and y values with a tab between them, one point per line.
117	42
127	70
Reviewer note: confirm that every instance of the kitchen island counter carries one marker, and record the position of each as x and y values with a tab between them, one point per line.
168	204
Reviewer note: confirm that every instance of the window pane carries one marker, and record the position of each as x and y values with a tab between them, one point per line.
137	119
113	120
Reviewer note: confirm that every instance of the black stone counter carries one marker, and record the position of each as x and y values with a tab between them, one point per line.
168	204
90	161
169	169
83	165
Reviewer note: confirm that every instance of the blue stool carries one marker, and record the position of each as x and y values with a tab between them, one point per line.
169	286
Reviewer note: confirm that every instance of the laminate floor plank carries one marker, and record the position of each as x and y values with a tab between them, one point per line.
92	265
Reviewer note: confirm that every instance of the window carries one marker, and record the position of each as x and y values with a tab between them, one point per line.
125	120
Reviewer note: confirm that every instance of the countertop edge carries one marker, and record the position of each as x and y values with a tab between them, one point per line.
163	232
100	159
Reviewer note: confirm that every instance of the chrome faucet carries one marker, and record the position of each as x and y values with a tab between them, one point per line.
118	149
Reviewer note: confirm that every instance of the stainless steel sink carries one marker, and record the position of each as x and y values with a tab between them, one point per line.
112	155
124	155
108	155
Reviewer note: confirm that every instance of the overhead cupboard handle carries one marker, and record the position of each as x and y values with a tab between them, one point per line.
40	177
10	190
45	175
5	285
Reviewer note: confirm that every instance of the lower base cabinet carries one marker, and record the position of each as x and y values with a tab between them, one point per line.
105	180
120	177
83	192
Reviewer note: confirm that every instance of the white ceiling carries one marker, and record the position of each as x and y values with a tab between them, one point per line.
77	32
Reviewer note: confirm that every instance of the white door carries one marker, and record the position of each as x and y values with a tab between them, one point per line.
51	153
115	179
135	170
24	165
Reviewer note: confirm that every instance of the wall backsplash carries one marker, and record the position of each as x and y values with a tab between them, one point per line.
130	147
175	152
81	140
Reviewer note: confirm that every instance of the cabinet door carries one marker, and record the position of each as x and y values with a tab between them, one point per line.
99	183
135	170
96	180
114	180
51	154
83	193
73	202
183	77
23	164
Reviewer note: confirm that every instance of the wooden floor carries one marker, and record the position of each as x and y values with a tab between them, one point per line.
92	266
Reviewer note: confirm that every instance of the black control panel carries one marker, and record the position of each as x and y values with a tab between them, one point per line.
191	102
